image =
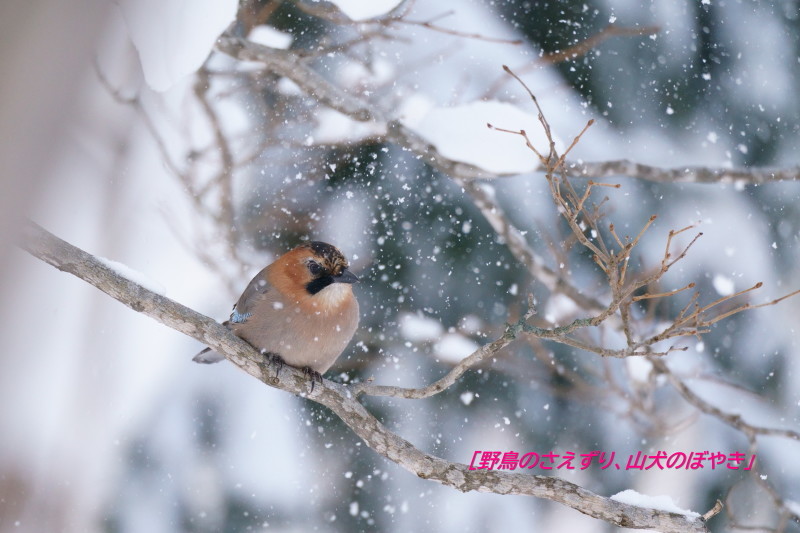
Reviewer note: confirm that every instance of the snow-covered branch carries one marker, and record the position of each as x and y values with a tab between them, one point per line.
295	68
339	398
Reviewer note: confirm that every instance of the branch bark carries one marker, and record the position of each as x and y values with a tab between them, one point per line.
67	258
628	168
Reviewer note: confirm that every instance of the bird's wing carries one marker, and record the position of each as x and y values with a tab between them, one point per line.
256	291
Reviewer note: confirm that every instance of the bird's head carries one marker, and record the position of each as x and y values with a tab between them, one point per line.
316	272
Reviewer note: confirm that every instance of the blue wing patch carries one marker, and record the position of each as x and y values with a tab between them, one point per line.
238	318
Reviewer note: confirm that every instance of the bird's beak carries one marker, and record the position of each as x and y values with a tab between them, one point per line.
345	277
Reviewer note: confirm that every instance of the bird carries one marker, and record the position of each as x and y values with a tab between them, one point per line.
299	310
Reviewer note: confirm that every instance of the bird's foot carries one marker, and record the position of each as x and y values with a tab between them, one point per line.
312	375
275	359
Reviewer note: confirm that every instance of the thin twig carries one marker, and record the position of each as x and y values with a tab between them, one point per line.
575	51
732	420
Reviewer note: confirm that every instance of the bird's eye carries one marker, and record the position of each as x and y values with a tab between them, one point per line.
314	268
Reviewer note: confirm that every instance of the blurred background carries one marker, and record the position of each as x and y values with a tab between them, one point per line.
123	136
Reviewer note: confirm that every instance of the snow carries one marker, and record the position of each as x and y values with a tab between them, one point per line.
288	87
174	38
418	328
793	506
354	74
461	133
414	108
135	276
662	503
471	325
559	308
334	127
363	10
269	36
467	397
723	285
454	347
639	368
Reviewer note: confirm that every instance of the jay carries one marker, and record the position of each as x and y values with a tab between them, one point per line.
299	310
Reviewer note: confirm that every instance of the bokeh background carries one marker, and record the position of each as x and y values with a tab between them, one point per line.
111	140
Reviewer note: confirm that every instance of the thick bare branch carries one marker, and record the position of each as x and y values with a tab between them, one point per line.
631	169
340	399
291	66
625	167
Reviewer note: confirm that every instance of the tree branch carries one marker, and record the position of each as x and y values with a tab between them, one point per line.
291	66
482	353
625	167
733	420
67	258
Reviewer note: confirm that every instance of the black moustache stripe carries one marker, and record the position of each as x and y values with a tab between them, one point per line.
314	286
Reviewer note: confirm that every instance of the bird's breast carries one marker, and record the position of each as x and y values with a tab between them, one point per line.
312	332
332	297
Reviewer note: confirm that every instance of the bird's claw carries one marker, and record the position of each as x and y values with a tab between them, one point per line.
310	374
274	359
313	376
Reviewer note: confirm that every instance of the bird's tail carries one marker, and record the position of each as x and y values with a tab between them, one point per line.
208	356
